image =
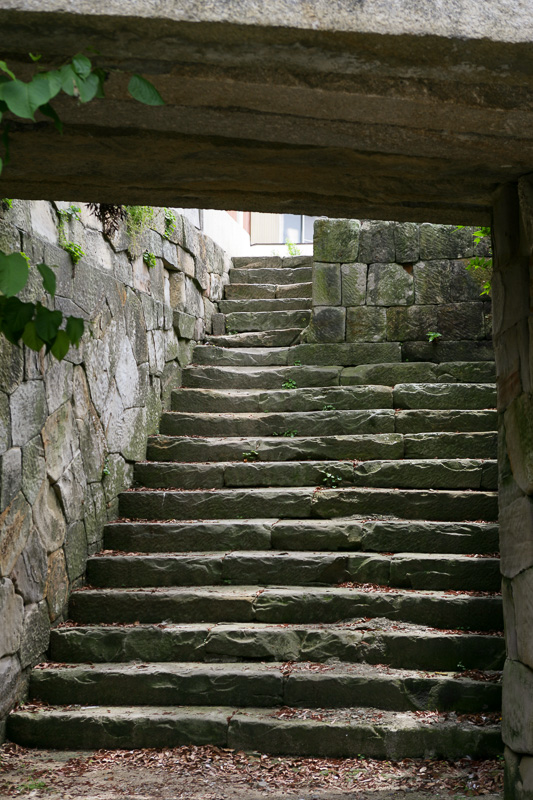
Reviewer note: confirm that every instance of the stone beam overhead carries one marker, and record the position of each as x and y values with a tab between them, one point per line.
371	109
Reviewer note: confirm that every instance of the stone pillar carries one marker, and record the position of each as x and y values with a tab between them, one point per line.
512	288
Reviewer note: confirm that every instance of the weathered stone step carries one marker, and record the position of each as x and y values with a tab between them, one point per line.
431	473
264	304
294	503
251	291
421	372
322	448
444	395
400	474
370	642
329	423
335	398
279	338
367	732
284	337
420	421
249	378
240	356
274	262
276	448
265	534
272	275
259	377
275	568
264	685
288	423
279	605
240	321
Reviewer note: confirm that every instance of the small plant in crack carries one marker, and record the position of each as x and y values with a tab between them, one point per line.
74	250
331	480
328	407
290	384
433	336
251	455
170	223
149	259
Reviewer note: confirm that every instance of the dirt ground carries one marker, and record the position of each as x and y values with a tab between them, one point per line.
211	773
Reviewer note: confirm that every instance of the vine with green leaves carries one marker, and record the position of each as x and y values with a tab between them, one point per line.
480	262
33	323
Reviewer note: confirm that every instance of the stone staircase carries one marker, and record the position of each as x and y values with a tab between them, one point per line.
309	567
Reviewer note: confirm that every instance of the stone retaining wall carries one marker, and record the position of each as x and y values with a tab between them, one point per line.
396	282
69	431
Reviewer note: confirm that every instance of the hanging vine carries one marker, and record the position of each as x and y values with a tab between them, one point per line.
34	324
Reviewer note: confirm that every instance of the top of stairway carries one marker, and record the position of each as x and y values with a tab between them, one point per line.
272	262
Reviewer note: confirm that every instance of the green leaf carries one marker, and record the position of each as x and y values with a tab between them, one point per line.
13	273
82	65
23	99
51	112
14	315
61	345
144	91
36	57
68	79
52	80
47	324
4	68
49	278
30	338
74	328
102	77
88	88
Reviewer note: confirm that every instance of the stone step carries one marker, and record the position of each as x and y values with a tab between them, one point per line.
256	291
278	338
313	534
275	568
258	377
302	685
447	610
330	733
249	378
330	423
240	321
274	262
398	474
272	275
370	642
303	502
264	304
334	398
421	372
323	448
444	395
240	356
286	424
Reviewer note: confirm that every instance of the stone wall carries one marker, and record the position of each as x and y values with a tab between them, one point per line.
69	431
513	340
396	282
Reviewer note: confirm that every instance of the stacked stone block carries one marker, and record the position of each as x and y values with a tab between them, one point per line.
69	431
396	282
